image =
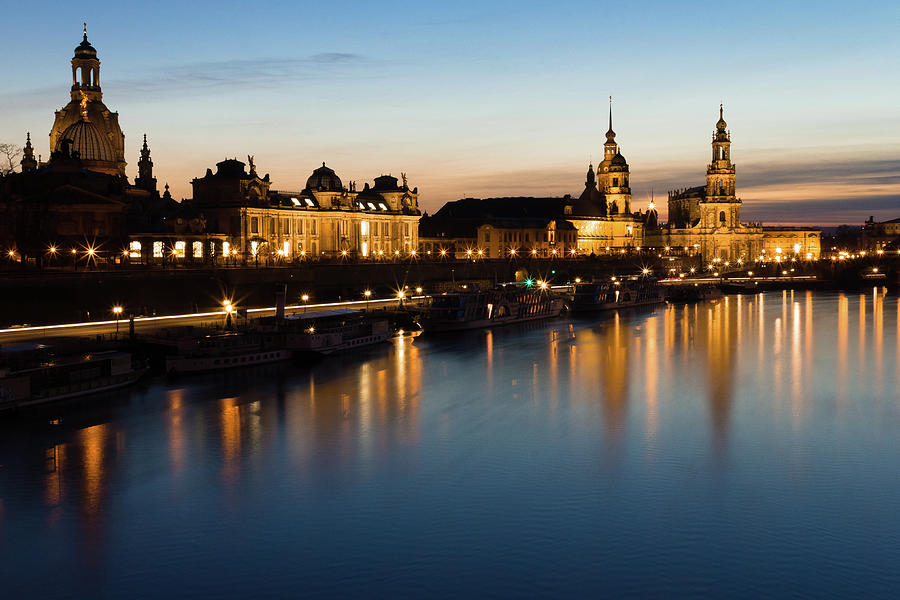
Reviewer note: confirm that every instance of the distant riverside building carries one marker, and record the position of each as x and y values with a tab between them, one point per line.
600	220
499	227
884	235
707	218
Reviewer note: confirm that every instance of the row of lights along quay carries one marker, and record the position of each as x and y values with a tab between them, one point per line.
95	283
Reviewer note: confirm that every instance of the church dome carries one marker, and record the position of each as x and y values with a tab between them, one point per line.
85	50
325	180
87	141
618	160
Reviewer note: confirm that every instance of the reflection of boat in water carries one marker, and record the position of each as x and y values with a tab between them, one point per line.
193	351
485	308
608	295
692	292
328	331
38	373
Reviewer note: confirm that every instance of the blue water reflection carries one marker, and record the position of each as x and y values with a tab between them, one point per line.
742	448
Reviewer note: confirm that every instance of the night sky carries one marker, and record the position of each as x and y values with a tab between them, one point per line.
489	98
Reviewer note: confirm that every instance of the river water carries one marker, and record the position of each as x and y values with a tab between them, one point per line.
743	448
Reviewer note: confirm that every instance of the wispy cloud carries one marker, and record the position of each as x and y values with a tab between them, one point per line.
215	76
259	73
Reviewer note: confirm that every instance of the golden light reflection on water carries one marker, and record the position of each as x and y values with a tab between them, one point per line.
644	370
177	438
93	441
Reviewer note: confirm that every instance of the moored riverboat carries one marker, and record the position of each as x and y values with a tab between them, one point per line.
613	294
486	308
328	331
192	351
37	373
693	292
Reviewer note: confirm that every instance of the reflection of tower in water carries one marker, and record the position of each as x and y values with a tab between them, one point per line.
615	343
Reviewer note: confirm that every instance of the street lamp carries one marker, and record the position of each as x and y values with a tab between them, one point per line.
367	294
400	296
229	309
305	299
117	310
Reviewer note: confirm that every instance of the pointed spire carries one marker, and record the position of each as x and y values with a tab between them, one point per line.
720	124
85	31
610	134
28	163
610	113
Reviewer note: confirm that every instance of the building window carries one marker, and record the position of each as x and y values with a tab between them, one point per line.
226	249
179	248
299	226
134	249
157	249
197	249
273	227
365	249
286	249
487	236
312	227
364	229
615	182
254	247
722	216
254	225
286	226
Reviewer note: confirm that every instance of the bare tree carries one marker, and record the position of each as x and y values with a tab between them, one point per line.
9	157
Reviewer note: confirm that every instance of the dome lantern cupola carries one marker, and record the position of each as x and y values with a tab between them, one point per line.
324	179
86	71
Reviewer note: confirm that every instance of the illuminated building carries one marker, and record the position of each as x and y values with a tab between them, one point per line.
325	219
708	217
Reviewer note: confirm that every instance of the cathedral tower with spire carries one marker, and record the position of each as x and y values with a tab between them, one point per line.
720	206
28	162
612	174
145	179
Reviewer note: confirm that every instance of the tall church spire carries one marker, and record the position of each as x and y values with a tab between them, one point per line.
610	134
721	207
145	179
28	163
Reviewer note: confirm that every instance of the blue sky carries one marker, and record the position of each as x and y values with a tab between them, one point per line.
490	98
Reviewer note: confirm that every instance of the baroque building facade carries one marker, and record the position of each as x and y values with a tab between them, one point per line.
707	218
245	221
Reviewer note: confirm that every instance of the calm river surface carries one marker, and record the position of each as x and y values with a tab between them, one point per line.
745	448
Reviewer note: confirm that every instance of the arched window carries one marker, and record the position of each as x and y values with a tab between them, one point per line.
722	216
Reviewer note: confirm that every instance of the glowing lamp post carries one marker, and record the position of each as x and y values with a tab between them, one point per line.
305	299
117	310
229	309
400	296
367	294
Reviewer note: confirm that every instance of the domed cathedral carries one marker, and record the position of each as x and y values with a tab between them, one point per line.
707	218
85	128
